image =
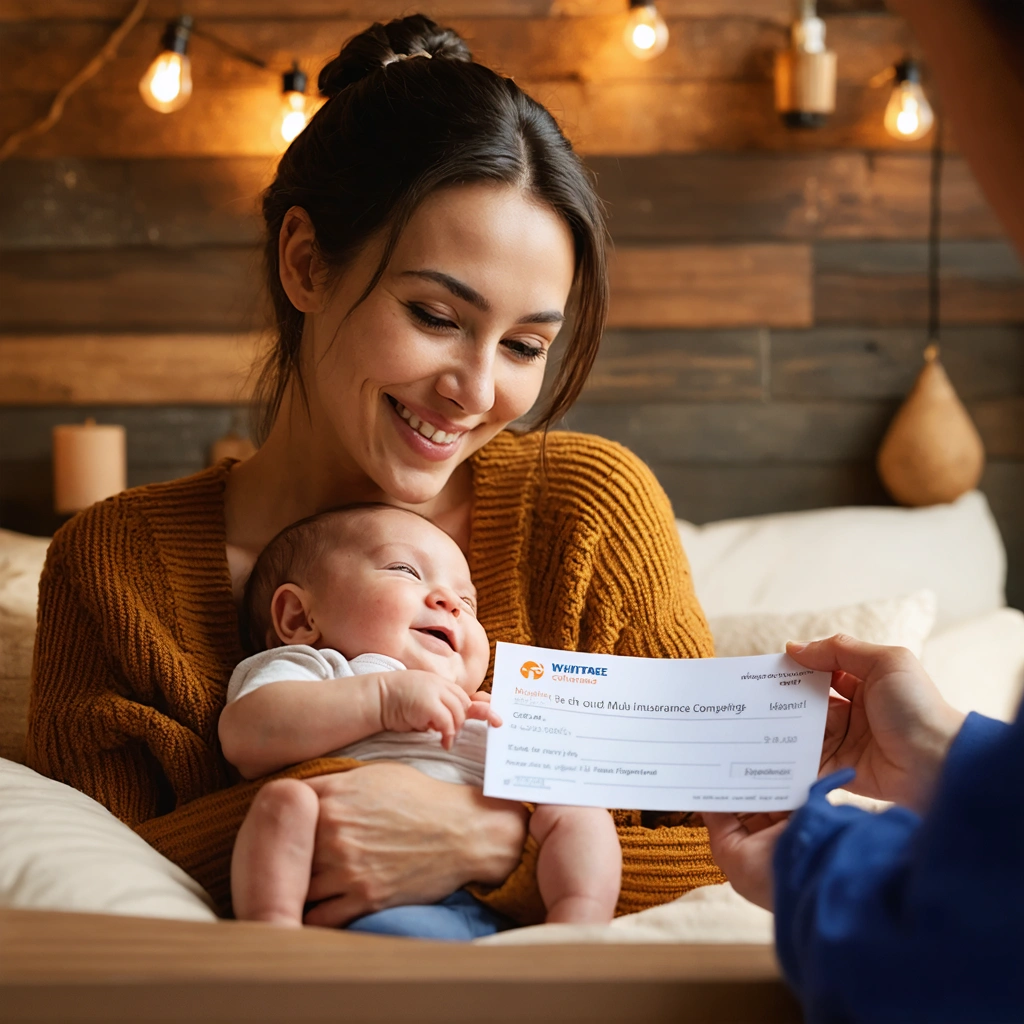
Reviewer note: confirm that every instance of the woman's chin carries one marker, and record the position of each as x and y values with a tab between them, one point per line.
416	487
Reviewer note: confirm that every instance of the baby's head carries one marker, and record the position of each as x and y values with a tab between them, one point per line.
369	579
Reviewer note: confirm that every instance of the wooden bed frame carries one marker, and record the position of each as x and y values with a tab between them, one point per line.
70	968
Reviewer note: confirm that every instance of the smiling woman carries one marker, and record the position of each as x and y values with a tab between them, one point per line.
462	317
426	234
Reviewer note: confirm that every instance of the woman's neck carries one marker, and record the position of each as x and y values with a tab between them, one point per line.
296	473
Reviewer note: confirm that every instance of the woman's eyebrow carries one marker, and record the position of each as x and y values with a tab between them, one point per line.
463	291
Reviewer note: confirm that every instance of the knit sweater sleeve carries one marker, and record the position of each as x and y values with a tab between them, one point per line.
95	718
108	669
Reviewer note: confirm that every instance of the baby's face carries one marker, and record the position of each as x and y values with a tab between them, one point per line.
399	586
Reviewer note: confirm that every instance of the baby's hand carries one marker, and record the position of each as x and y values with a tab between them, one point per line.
480	708
414	701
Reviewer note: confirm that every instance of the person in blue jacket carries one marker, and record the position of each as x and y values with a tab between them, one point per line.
916	913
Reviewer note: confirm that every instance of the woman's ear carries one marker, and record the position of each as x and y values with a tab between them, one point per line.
291	615
299	266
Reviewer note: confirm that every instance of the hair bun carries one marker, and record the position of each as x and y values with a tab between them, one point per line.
381	45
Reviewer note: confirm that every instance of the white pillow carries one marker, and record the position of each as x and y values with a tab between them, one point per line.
21	563
712	913
832	557
61	850
979	665
895	622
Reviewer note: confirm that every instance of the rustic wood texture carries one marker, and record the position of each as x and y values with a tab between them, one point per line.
885	283
782	432
711	286
167	435
200	289
535	49
769	288
75	203
147	369
779	11
708	492
711	90
57	967
138	289
602	117
786	196
882	362
678	366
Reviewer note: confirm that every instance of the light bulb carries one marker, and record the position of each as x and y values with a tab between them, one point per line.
293	115
908	114
646	33
293	102
167	84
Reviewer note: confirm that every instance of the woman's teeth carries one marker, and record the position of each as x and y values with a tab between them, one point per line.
428	430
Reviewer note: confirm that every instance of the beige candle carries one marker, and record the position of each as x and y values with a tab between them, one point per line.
89	464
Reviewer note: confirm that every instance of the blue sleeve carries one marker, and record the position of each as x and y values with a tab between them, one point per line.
888	917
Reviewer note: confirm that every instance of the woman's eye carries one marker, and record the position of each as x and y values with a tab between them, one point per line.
524	350
429	320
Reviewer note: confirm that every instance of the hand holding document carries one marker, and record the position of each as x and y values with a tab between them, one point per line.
599	730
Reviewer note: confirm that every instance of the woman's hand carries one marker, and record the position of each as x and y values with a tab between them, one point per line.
388	835
743	846
889	722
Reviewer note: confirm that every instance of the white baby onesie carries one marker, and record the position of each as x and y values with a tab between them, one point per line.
464	763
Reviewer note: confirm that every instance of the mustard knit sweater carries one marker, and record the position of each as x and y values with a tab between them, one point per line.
138	635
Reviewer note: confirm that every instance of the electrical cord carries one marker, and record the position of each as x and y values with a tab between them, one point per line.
53	115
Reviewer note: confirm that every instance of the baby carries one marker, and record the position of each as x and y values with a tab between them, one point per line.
365	618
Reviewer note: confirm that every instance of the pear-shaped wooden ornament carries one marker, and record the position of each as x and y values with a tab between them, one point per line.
932	452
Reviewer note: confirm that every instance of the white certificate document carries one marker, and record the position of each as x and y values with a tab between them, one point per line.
598	730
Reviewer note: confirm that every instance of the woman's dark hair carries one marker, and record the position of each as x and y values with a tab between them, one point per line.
394	129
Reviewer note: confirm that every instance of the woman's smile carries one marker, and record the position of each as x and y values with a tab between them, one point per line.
427	433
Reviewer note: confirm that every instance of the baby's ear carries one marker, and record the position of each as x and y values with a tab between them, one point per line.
290	613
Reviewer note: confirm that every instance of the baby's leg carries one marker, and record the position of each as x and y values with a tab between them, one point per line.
579	867
273	855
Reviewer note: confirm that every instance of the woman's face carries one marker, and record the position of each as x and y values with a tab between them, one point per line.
450	347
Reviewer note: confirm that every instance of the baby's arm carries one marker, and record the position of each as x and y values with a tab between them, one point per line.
295	720
289	721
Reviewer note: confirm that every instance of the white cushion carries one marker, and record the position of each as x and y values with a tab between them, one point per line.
979	665
61	850
895	622
21	562
713	913
832	557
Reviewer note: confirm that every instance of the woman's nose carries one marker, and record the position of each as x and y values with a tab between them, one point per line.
470	382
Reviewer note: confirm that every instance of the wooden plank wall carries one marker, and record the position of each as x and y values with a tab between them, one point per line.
769	286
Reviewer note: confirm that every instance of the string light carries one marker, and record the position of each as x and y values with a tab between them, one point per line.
167	84
646	34
294	115
908	115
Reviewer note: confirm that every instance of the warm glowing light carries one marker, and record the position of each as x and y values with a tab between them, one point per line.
167	85
644	37
908	114
646	33
293	115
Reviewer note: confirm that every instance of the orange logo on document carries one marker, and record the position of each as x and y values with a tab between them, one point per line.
531	670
